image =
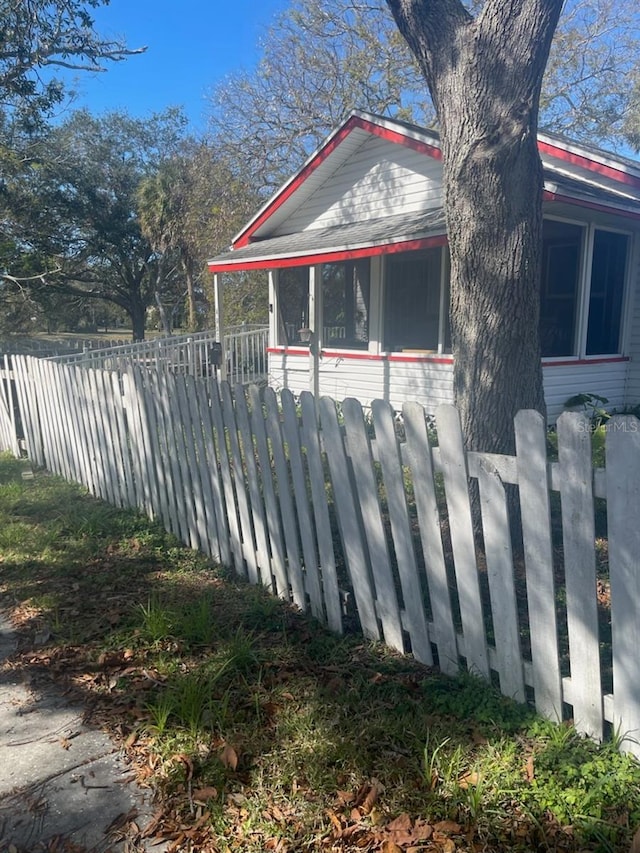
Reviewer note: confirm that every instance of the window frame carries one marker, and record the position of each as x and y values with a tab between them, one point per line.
348	343
443	344
583	296
626	287
279	324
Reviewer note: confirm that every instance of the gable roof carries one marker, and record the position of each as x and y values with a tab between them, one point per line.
327	159
574	173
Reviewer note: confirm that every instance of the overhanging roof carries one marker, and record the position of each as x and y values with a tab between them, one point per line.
575	174
362	239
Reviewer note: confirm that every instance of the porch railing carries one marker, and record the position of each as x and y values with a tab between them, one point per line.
242	357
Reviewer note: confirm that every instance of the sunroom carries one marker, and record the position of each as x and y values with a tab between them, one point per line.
355	246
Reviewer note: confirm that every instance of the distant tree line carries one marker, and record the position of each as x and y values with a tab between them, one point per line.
115	216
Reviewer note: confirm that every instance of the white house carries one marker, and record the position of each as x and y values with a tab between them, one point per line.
356	249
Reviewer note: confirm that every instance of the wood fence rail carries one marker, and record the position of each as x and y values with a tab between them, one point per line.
364	524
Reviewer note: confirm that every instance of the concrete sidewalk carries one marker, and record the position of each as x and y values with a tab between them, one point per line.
63	785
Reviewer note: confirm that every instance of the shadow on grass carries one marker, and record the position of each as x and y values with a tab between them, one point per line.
258	728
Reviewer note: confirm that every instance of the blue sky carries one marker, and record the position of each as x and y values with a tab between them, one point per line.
192	45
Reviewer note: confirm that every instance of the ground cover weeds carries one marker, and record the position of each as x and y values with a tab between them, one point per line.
258	730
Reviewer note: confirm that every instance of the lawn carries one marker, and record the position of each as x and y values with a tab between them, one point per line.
258	730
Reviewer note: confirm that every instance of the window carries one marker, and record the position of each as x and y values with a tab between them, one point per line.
416	317
345	304
293	304
561	259
607	289
564	280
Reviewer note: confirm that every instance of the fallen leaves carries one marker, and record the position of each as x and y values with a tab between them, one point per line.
405	832
201	795
362	825
229	757
221	787
366	797
469	780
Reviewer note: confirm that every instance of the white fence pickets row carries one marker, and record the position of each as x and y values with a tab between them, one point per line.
335	512
8	432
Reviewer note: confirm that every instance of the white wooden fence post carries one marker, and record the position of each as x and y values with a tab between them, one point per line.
623	527
533	481
355	551
578	537
499	557
419	457
456	485
415	621
366	492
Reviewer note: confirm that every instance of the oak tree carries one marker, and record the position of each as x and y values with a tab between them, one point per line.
74	209
39	38
485	73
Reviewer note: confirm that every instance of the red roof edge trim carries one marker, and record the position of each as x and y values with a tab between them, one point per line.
401	138
355	121
603	169
329	257
547	195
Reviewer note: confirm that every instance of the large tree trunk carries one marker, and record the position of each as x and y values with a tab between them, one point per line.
192	314
484	75
494	219
138	313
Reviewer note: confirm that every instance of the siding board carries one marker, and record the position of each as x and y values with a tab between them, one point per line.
430	383
380	179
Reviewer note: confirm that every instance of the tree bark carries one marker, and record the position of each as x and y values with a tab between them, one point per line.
485	75
192	314
138	312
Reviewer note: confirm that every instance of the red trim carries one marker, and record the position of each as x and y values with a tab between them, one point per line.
581	160
287	351
396	136
244	238
435	359
330	257
581	362
400	138
603	208
354	355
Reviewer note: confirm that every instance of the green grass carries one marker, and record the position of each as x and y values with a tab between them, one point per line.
258	728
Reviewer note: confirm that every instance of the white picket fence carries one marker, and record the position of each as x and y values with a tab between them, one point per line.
8	428
358	522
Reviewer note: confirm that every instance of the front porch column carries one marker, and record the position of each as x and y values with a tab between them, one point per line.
219	324
315	320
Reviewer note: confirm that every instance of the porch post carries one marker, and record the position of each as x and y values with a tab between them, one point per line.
219	324
314	326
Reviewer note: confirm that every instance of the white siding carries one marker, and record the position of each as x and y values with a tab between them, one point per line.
431	384
380	179
428	383
289	371
566	380
424	382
